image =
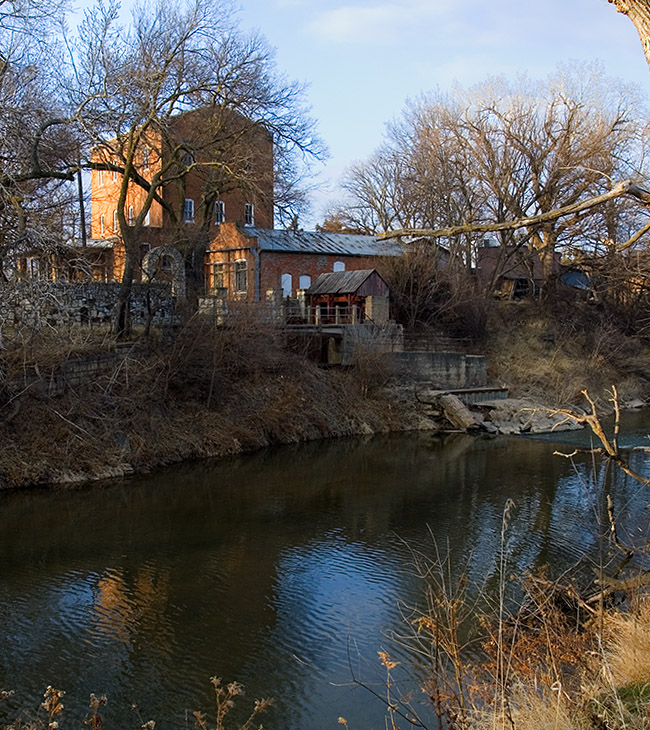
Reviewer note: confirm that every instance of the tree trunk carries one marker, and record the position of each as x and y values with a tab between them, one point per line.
638	11
122	318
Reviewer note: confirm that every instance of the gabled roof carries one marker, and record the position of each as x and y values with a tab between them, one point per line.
340	282
338	244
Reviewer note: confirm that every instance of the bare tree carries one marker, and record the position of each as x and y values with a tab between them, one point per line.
180	59
38	149
479	160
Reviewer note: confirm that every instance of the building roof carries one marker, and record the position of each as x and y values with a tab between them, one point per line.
338	244
340	282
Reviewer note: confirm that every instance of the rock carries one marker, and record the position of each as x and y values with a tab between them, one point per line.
633	404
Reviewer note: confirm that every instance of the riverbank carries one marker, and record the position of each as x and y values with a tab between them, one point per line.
208	394
212	392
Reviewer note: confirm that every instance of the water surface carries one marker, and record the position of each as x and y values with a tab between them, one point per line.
286	570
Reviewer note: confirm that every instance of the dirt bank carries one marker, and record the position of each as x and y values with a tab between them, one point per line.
196	398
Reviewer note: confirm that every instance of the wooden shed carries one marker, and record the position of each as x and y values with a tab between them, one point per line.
345	296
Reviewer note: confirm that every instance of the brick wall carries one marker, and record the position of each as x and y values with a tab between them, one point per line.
231	245
273	264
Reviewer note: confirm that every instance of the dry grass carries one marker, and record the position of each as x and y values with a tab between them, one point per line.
49	714
628	646
209	392
553	357
554	664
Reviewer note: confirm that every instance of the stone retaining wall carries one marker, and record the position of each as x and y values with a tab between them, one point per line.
37	304
440	369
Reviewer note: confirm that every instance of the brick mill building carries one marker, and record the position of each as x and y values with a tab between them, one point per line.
245	256
200	205
249	262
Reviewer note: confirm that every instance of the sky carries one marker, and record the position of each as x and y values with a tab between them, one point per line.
363	59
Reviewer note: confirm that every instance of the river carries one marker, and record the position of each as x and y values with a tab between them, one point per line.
285	570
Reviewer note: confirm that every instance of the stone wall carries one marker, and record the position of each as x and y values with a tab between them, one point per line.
440	369
37	304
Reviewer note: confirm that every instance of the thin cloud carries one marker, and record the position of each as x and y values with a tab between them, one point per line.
384	23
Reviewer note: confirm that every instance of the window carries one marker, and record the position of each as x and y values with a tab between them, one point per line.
241	278
338	266
114	172
166	262
144	250
188	159
131	216
217	276
145	158
249	215
287	285
102	225
305	282
101	177
219	212
116	222
188	211
147	218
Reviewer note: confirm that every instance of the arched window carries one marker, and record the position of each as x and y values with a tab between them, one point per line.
286	285
338	266
304	282
219	212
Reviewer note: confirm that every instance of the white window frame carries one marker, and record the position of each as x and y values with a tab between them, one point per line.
241	268
338	266
188	210
286	281
116	222
102	225
218	275
145	158
101	177
131	216
147	219
219	212
249	214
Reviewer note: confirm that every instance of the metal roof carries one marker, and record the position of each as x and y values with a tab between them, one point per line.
339	282
338	244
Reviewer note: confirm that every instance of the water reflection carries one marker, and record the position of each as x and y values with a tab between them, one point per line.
283	570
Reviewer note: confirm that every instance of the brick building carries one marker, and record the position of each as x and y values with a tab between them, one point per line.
244	254
249	262
218	170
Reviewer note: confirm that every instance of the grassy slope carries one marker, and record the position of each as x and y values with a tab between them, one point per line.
551	356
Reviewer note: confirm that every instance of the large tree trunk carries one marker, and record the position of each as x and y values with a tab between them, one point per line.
638	11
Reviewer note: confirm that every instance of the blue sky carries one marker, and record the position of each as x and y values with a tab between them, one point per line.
364	58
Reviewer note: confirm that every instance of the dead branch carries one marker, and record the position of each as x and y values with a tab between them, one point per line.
626	187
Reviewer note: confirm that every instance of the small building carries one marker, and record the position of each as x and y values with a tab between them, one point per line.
512	272
349	297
